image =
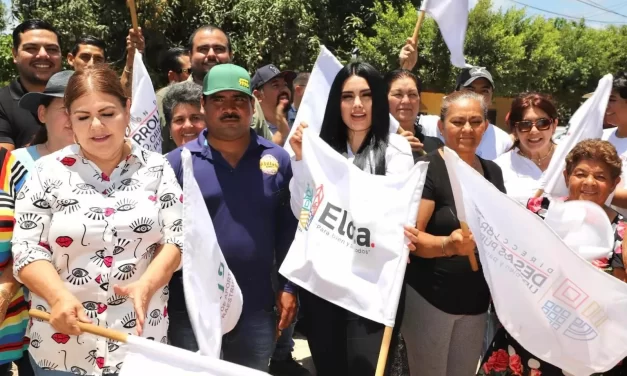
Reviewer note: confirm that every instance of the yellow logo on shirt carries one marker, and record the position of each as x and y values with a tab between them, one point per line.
269	165
244	82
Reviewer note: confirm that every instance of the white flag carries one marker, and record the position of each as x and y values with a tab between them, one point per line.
558	306
350	247
146	357
314	103
586	123
145	124
212	295
452	19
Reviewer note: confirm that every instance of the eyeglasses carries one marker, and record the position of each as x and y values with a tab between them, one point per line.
541	124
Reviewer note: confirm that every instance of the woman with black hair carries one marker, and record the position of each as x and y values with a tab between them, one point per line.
404	90
356	124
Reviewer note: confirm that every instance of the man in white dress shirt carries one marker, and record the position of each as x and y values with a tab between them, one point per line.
495	141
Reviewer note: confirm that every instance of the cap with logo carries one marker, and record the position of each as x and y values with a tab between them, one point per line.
469	75
225	77
269	72
55	88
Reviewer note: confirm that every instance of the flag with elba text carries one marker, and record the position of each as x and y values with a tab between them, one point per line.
350	247
557	305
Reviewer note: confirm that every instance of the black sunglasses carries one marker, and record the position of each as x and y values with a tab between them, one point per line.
541	124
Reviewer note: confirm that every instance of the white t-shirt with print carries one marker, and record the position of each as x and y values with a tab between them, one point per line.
620	144
495	141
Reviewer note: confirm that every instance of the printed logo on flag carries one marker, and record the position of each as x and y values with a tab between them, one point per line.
310	205
337	223
581	331
557	315
571	294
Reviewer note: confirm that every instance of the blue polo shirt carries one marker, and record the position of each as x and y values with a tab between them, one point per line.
250	209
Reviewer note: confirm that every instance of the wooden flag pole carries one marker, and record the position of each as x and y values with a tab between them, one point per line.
471	257
385	349
539	193
421	18
87	328
131	5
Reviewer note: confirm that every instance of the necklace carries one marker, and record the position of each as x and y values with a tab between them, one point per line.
539	160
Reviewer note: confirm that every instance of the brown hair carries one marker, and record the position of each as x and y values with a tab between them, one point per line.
595	150
529	100
99	78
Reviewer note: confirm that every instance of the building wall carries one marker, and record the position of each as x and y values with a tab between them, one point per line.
430	104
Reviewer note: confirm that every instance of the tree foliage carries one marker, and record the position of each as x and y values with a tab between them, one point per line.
555	56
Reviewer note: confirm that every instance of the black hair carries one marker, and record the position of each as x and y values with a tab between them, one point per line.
335	132
31	25
170	60
42	134
397	74
209	28
620	84
92	41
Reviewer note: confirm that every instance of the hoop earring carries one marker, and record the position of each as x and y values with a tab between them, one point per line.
128	131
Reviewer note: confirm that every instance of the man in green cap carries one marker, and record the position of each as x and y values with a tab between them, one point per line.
244	180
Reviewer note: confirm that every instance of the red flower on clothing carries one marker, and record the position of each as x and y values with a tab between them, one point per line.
68	161
515	364
535	204
64	241
498	361
60	338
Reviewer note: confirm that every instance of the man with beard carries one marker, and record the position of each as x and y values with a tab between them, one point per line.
244	180
37	56
271	87
209	46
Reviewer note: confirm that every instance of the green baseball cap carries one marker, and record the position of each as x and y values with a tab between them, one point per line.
224	77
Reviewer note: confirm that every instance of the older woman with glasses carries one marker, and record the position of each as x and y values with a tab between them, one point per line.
533	119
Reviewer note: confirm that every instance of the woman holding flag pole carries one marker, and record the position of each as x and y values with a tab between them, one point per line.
446	300
356	124
592	172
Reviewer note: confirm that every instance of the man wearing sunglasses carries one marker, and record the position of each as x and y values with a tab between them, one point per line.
495	141
177	66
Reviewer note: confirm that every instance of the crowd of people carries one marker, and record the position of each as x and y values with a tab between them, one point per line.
78	197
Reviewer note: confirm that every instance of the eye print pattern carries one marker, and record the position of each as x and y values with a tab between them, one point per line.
142	225
105	230
68	206
23	192
39	201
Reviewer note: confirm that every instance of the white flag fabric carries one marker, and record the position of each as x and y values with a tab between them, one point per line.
213	298
314	103
583	226
350	247
452	19
146	357
586	123
145	124
557	305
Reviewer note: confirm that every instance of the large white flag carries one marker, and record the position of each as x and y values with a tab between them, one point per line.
145	125
586	123
452	19
146	357
213	297
314	103
350	247
557	305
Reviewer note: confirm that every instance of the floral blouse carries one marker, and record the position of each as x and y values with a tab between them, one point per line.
506	357
97	231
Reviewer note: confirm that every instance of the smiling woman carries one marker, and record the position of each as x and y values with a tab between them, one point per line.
96	211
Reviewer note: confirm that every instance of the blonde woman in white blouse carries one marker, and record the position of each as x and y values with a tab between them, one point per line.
533	119
97	235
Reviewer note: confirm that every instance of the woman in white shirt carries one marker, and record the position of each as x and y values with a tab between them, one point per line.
98	234
533	119
356	124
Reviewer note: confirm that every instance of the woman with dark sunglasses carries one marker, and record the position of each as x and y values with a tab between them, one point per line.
533	120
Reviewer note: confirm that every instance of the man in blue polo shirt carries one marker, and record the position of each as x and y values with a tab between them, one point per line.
244	180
